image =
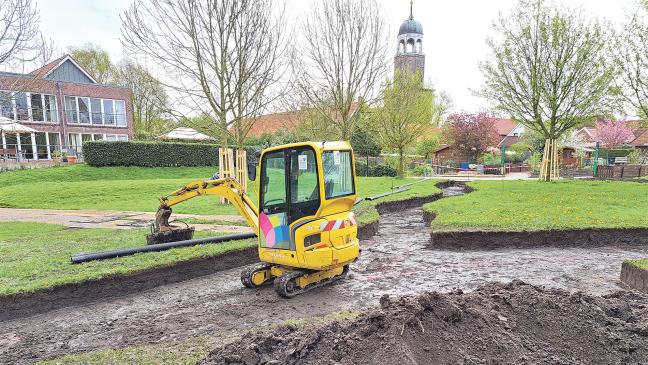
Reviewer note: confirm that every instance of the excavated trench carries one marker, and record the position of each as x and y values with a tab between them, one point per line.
394	261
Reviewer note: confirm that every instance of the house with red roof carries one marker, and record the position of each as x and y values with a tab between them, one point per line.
61	105
510	132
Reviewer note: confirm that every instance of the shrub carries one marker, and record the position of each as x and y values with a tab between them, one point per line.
376	170
422	170
149	154
635	157
490	159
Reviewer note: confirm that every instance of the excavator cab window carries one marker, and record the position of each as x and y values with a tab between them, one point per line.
338	174
289	183
304	186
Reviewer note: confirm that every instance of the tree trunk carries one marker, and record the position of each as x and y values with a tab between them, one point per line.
401	162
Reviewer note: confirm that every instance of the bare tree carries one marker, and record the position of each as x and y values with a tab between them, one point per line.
150	100
631	55
548	69
20	39
341	60
222	57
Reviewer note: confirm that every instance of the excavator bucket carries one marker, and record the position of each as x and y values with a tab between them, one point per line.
163	232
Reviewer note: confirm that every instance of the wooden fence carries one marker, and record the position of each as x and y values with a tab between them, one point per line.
621	171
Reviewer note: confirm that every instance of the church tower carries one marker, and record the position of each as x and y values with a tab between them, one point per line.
409	55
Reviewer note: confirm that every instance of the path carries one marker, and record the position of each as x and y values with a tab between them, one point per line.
394	262
117	219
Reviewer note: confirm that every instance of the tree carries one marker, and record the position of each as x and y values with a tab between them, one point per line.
405	114
341	60
21	43
222	57
364	144
427	146
548	69
613	133
150	100
631	56
20	39
471	133
96	61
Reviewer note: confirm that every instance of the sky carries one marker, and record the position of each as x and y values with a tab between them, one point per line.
454	32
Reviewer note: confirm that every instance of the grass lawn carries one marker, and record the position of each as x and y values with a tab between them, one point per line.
36	256
139	189
188	351
533	205
640	263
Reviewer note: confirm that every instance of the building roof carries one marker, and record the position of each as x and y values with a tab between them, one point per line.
504	126
187	134
47	69
410	25
508	141
273	123
641	138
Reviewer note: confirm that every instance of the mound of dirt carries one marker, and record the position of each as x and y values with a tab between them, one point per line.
511	323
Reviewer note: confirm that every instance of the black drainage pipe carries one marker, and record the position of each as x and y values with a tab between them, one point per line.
102	255
378	196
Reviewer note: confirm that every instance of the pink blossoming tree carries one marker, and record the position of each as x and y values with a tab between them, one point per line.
613	133
471	133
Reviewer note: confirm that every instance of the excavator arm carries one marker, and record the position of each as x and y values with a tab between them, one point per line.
228	188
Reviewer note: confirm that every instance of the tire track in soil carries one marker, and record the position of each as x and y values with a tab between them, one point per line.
394	261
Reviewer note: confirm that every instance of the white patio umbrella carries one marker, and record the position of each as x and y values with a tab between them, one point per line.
10	126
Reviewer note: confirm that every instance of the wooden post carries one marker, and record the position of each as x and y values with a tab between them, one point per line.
225	166
241	168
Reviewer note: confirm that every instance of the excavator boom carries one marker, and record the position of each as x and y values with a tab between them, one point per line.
228	188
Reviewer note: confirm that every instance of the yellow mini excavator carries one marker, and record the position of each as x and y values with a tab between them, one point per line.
307	234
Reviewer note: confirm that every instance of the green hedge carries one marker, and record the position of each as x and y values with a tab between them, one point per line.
149	154
376	170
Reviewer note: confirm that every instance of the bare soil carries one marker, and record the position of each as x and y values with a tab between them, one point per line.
512	323
29	304
394	262
471	240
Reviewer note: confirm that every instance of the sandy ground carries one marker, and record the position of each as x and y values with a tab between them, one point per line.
113	219
392	262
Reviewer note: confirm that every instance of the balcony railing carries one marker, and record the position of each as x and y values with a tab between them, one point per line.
98	119
37	115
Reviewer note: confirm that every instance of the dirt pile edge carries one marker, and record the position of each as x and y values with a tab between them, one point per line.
512	323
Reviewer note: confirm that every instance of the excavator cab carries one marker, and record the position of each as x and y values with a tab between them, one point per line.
307	234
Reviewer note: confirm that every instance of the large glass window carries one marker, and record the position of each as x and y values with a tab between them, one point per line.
120	113
22	109
54	142
37	107
109	114
71	109
51	109
273	180
6	105
338	173
41	145
95	105
84	110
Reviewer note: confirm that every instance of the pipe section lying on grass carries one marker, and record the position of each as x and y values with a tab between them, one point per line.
102	255
378	196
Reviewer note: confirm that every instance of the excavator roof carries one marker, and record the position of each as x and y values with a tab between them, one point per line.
327	145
